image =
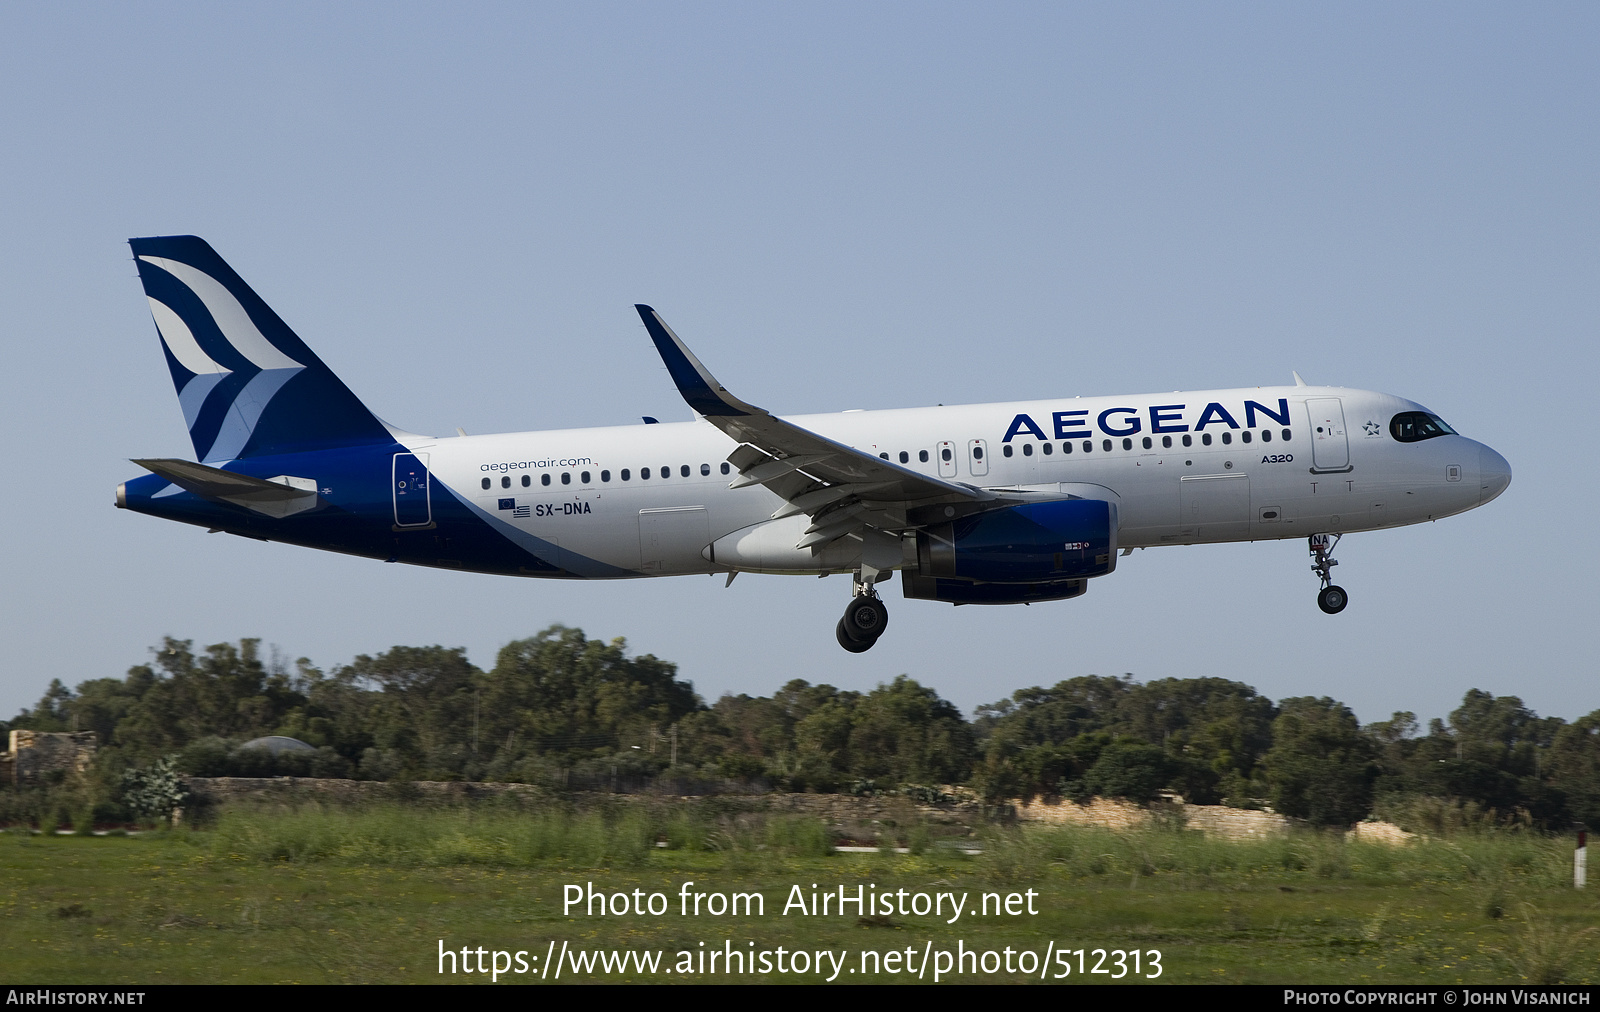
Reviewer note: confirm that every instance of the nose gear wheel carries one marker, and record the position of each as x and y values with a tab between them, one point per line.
1330	599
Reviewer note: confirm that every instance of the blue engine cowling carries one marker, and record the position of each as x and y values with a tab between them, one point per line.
1037	552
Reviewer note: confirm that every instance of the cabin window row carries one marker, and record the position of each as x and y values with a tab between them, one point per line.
587	477
944	455
1148	443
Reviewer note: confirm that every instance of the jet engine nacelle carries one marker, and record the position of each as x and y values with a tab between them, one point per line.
1037	552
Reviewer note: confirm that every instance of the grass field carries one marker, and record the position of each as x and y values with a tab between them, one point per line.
368	896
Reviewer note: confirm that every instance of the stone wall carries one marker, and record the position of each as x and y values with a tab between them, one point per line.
1104	812
1234	823
297	790
1379	832
1213	820
852	817
34	755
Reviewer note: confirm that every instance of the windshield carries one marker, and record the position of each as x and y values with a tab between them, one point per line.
1411	426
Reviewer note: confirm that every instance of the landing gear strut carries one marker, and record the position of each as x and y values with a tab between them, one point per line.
865	620
1330	599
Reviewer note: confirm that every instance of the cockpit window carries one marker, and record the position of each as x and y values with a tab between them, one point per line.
1412	426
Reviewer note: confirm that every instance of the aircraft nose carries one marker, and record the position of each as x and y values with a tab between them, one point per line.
1494	474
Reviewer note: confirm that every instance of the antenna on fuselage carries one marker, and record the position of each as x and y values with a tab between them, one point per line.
1297	380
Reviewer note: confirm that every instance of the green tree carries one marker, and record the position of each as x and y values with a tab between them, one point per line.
1125	768
1572	764
425	711
1321	767
1214	730
559	692
904	733
53	712
822	753
227	691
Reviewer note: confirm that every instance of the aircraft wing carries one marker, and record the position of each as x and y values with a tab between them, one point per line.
843	488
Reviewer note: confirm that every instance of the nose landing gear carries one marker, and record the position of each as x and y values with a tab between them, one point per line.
864	621
1330	599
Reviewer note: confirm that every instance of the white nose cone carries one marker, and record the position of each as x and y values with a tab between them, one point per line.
1494	474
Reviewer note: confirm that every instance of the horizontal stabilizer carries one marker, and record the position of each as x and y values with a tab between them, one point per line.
279	497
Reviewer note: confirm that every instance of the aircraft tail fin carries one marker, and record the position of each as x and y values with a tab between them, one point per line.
247	384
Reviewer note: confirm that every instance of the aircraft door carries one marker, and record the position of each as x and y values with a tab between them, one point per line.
946	452
977	457
1330	446
410	480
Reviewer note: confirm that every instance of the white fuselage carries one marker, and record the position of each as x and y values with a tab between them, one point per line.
1331	467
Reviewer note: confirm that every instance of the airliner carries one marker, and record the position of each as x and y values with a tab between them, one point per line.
1009	503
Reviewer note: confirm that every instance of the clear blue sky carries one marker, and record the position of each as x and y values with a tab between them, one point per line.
838	206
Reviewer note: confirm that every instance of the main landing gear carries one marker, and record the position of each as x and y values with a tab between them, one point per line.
1330	599
864	621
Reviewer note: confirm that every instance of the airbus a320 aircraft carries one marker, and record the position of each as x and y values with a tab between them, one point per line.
975	504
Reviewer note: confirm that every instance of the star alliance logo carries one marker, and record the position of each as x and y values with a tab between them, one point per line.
1373	428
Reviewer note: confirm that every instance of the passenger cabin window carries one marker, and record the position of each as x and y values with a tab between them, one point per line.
1147	443
944	455
885	456
1188	440
905	458
1047	448
684	470
1105	444
1166	442
1127	444
486	483
724	467
1415	426
1227	438
1285	435
566	477
705	469
544	479
922	455
625	474
977	453
505	482
1266	435
605	475
1066	447
1027	449
584	477
1088	446
666	472
1206	438
644	474
1244	437
1006	450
